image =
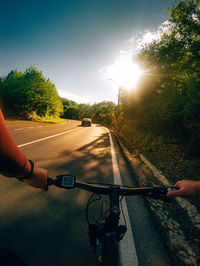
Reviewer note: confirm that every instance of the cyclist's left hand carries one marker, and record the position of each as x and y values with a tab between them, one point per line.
38	179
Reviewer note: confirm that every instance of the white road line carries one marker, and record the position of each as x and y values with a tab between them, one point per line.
49	137
18	129
128	255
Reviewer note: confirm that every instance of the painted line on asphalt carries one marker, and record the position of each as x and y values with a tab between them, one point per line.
16	129
128	255
49	137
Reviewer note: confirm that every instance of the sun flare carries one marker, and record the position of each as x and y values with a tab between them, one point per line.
124	72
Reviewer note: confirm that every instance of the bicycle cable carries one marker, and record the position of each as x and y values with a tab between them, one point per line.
89	203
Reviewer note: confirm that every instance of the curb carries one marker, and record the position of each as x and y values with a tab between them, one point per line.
178	220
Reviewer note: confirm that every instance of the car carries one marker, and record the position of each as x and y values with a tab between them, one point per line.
86	122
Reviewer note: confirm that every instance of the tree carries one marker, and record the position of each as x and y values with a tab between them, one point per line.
168	98
29	94
103	113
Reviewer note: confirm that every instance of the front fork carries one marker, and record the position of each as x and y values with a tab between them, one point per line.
107	230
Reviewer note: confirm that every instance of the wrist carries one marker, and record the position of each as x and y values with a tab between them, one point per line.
198	188
27	171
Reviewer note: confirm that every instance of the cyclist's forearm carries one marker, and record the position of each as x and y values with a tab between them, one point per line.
12	161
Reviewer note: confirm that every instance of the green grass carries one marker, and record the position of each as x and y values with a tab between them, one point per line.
54	120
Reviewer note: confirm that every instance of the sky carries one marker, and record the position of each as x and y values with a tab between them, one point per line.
76	43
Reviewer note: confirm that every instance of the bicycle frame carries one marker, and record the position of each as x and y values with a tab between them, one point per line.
110	245
110	236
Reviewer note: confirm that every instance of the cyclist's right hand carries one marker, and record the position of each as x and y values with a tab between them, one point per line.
187	188
38	179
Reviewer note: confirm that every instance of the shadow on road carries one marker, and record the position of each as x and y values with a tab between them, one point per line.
90	162
48	229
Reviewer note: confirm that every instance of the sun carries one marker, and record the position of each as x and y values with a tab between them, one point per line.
124	72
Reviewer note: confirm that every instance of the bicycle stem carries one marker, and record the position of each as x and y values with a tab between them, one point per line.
114	215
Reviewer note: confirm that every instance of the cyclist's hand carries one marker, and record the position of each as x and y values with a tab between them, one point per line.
38	179
187	188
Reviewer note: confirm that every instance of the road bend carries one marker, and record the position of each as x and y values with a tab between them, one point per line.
49	228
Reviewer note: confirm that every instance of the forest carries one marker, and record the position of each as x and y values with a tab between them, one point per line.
31	96
165	107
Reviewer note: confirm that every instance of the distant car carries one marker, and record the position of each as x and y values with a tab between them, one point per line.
86	122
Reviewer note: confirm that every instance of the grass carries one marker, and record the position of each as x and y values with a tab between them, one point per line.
45	119
54	120
173	160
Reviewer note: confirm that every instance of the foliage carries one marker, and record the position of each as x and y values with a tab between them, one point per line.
165	108
167	100
103	112
29	94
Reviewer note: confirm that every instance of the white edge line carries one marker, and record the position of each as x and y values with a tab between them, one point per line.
49	137
128	255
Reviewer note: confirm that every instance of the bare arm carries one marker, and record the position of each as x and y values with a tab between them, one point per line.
14	163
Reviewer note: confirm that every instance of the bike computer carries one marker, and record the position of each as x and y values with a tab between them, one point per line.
68	181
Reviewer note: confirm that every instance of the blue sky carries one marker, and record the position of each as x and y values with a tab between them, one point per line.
72	41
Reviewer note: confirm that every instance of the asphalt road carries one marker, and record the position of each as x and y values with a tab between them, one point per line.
49	228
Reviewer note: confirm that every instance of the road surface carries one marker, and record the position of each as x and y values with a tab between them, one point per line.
49	228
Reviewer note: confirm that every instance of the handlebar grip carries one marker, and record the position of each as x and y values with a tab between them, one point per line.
161	192
50	181
172	188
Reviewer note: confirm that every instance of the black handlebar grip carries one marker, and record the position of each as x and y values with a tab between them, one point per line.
171	188
50	181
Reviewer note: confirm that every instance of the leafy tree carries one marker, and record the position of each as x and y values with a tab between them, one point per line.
71	112
168	98
104	113
29	94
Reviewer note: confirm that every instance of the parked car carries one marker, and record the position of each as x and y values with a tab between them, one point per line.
86	122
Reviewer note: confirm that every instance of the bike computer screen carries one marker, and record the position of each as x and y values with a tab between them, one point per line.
68	181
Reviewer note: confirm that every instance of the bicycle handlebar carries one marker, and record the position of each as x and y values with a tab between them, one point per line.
69	182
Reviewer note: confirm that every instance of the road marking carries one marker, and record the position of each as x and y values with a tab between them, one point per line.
18	129
49	137
128	255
